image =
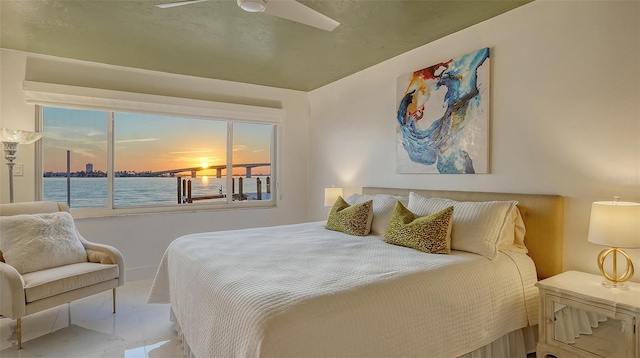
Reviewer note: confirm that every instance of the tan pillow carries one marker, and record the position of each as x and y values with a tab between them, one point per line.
430	234
99	257
351	219
512	234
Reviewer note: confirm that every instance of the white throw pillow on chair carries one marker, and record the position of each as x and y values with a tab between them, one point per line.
34	242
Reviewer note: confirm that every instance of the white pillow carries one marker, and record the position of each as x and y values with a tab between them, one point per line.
512	235
476	225
383	205
40	241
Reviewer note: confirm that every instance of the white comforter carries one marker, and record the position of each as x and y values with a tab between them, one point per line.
301	291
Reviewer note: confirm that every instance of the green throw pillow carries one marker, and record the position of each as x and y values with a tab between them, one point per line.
431	234
352	220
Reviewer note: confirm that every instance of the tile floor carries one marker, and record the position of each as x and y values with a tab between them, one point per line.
136	330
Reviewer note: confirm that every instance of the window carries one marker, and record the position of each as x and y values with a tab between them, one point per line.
77	140
166	161
153	153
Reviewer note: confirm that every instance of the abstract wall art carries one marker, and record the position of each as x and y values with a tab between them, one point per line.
443	117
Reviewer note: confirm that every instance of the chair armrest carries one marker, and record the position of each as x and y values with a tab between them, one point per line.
12	298
113	253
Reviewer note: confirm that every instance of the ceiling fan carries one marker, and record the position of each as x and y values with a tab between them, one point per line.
286	9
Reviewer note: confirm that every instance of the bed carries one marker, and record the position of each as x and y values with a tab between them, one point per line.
305	291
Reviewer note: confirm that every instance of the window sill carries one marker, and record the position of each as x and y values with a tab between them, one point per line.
80	213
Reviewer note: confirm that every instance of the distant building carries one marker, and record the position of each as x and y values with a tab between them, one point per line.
89	168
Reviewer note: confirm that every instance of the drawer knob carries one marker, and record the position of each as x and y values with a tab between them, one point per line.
548	320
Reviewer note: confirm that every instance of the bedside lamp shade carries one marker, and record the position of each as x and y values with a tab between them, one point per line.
331	195
615	224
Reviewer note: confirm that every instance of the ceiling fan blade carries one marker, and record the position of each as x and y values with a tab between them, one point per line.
295	11
174	4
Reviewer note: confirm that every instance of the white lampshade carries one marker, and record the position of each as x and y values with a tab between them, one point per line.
18	136
615	224
10	139
331	195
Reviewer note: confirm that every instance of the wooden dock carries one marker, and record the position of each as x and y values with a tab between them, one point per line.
185	197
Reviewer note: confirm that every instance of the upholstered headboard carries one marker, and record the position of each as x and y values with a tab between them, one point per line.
542	215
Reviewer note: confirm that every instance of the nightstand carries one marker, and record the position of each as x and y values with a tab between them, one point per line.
579	317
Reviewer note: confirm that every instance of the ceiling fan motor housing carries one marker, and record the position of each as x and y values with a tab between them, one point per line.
252	5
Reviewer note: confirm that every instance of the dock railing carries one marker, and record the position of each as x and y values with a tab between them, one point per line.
185	194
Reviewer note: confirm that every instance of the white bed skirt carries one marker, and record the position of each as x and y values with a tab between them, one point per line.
515	344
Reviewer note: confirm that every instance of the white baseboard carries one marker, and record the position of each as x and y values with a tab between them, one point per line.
140	273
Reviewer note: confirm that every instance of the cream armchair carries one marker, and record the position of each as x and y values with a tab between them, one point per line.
25	294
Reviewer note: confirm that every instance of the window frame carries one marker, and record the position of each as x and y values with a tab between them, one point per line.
72	97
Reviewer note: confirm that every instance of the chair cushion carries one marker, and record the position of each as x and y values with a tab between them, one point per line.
57	280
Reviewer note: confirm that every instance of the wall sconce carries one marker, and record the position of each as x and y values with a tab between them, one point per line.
331	195
615	224
10	139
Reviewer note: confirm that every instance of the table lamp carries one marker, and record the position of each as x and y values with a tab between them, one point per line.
331	195
615	224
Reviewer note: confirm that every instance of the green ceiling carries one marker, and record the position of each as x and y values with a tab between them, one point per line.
216	39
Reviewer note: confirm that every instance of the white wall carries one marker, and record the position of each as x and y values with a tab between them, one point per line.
565	119
143	238
565	114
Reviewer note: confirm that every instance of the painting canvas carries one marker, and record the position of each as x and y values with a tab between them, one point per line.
443	115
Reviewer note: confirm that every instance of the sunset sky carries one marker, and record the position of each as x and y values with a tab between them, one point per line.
148	142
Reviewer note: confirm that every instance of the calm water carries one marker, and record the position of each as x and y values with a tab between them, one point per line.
92	192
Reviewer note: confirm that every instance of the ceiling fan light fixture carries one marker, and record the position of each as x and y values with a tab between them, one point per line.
252	5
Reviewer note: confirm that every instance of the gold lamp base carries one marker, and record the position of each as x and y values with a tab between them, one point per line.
615	280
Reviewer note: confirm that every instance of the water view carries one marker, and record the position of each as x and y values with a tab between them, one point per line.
142	191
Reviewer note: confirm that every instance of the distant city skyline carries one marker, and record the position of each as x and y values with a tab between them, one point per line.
90	172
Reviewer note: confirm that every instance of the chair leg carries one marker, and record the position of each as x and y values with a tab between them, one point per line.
19	327
19	320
